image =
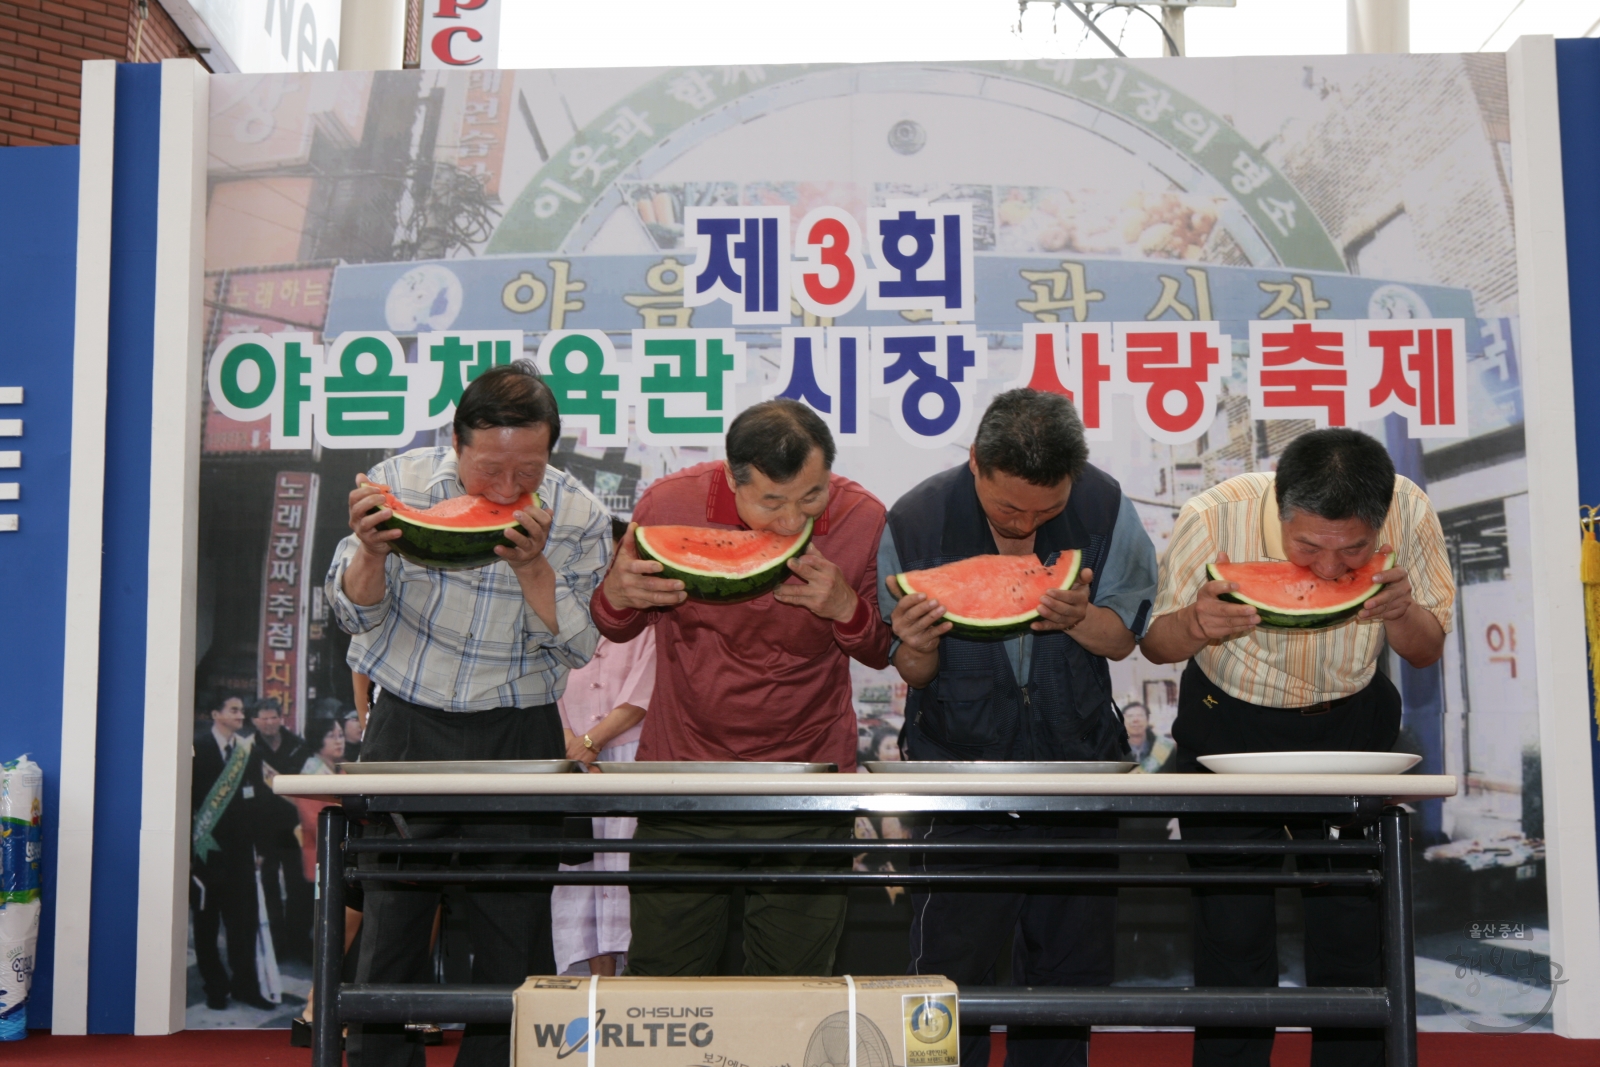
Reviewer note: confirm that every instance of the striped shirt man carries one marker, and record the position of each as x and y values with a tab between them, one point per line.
467	640
1287	669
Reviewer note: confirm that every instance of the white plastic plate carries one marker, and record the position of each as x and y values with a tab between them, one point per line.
1311	762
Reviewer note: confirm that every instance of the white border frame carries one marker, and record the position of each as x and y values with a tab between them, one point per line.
1560	655
80	682
178	378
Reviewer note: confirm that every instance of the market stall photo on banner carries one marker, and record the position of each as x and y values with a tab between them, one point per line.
1209	258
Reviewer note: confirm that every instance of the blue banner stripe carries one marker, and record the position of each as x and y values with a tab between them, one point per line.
119	745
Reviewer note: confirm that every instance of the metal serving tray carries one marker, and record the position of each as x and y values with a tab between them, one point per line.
484	766
997	767
712	767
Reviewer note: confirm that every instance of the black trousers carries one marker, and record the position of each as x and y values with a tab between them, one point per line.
508	926
1058	938
226	899
1235	930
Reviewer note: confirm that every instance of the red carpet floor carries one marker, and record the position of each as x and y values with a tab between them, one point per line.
247	1048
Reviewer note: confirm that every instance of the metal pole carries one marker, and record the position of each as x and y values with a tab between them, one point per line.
1377	26
1172	22
326	1031
1399	948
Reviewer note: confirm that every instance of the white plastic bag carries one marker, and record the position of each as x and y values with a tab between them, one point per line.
21	851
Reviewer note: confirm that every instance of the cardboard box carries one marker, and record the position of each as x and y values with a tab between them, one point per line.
901	1021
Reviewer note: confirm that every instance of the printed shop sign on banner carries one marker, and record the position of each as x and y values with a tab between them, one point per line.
286	583
680	385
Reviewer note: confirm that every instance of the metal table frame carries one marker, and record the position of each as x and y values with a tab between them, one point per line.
1391	1006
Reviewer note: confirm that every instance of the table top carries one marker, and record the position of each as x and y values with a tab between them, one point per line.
1387	786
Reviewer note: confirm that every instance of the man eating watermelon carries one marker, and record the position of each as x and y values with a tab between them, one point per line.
470	663
1026	490
1335	508
763	679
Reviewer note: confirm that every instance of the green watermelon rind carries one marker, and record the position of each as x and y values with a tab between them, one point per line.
970	629
725	588
449	549
1278	618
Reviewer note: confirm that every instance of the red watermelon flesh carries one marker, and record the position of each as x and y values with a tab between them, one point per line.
721	566
1289	596
989	597
463	513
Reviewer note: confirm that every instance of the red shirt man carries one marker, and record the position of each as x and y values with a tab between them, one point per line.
768	679
762	680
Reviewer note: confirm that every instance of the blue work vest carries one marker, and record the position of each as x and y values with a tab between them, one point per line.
974	709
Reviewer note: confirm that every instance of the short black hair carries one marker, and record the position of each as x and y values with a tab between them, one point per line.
1336	474
1032	435
219	697
318	729
776	437
509	395
263	704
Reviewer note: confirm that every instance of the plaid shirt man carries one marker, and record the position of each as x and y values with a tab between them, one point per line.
466	640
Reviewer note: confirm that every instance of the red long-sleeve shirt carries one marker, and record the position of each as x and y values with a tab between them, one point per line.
759	680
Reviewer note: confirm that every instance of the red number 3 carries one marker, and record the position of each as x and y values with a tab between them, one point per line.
829	239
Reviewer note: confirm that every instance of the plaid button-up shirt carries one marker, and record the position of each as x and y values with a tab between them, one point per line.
465	640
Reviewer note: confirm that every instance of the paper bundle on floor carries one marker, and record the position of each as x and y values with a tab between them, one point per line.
21	786
897	1021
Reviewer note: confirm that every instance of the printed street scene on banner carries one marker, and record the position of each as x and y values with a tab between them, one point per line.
1210	258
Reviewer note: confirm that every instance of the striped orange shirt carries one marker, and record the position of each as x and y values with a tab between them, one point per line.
1283	668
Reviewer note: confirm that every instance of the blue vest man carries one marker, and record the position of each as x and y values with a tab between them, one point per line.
1027	489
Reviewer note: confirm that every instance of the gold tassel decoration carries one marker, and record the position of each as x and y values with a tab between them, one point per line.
1589	568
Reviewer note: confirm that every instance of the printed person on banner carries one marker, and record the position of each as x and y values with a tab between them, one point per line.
827	371
932	373
686	381
1173	370
372	398
1301	371
830	272
1072	359
741	257
1415	368
253	376
459	358
922	256
591	387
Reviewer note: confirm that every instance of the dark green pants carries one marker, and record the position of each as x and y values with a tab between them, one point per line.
680	930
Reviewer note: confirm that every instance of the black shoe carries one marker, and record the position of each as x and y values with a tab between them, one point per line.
300	1033
255	1000
216	1001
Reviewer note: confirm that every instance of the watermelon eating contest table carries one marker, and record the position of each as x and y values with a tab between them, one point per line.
1366	807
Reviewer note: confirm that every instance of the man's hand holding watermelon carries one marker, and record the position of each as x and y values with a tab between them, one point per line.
1210	618
822	590
631	583
1062	609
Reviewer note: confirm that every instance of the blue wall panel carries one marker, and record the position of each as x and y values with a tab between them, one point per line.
38	261
119	747
1578	86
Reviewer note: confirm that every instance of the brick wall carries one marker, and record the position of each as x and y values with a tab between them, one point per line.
43	44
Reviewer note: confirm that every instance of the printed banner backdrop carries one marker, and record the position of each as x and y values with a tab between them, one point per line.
1210	256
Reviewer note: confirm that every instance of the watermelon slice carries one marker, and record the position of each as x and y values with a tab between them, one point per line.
721	566
456	534
991	598
1290	597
